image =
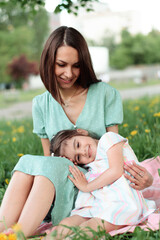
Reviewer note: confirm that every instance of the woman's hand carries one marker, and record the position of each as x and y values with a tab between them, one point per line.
140	178
79	179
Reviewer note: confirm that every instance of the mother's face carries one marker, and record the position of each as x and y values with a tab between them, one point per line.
67	68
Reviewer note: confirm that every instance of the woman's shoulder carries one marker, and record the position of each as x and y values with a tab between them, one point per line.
42	98
102	86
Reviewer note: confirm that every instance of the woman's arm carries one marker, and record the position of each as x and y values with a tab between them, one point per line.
115	171
46	146
140	178
112	129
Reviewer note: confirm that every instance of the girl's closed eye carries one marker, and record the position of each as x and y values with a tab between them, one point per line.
77	158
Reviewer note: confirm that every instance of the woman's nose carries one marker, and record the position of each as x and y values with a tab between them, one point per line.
68	72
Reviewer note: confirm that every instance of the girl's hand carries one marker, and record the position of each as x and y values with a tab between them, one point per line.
79	179
140	178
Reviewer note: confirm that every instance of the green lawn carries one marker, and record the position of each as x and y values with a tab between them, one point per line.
7	98
131	84
141	126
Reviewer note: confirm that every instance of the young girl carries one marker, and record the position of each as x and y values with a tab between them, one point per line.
105	194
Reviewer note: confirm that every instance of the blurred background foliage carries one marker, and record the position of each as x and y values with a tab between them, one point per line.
21	32
132	49
24	26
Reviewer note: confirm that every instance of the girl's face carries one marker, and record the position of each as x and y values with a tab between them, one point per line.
79	149
67	69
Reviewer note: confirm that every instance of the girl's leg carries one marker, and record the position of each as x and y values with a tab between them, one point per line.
93	223
37	205
62	231
15	198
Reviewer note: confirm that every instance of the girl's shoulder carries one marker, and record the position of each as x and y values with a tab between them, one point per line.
110	138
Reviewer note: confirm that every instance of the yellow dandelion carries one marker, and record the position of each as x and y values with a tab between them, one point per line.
125	125
20	154
20	129
134	132
3	236
12	236
8	123
1	133
157	114
17	227
7	181
136	108
14	139
154	102
147	130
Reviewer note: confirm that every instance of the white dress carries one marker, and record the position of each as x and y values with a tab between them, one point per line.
116	203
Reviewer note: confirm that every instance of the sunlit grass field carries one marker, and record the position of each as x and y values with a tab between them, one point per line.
141	126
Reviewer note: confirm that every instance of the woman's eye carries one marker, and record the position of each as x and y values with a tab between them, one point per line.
77	144
77	66
60	65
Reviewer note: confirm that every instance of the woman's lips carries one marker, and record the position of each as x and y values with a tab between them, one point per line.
65	80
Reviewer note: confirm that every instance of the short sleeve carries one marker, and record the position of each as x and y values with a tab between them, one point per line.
38	119
113	108
109	139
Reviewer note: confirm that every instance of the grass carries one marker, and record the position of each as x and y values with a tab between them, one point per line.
141	126
8	98
122	85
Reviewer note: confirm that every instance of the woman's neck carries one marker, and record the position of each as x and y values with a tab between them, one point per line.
67	93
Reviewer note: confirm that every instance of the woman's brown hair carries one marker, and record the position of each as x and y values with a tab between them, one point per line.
70	37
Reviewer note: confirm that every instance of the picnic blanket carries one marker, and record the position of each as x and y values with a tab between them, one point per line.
152	193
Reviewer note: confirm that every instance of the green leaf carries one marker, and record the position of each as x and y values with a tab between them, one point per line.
159	171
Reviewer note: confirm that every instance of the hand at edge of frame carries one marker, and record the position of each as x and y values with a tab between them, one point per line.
140	178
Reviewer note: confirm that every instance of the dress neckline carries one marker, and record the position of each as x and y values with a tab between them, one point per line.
75	125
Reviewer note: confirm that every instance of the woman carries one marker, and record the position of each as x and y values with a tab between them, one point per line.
75	99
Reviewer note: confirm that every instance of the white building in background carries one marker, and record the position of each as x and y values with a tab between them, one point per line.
93	25
100	60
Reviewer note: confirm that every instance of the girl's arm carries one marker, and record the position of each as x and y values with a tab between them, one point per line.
46	146
137	182
112	129
115	171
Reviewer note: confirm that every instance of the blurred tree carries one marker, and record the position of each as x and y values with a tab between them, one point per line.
20	69
136	49
20	34
40	28
72	6
13	43
121	57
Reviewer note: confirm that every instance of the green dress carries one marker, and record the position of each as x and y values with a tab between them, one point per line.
103	108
